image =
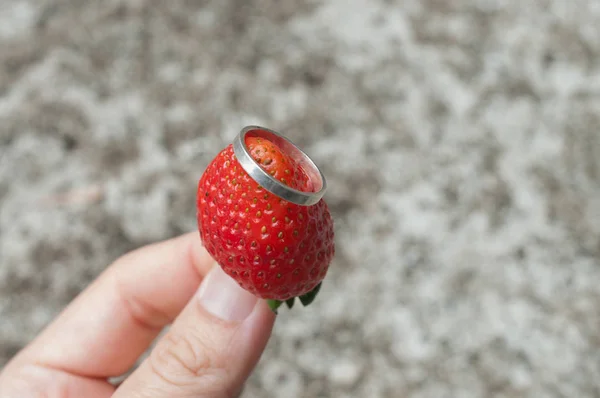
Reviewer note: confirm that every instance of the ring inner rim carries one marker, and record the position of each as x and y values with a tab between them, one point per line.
299	156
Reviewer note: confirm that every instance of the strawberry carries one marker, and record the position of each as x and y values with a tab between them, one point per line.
275	249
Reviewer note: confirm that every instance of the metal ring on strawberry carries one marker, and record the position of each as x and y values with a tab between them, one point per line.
270	183
262	218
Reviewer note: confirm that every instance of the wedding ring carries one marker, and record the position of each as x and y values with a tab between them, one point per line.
267	181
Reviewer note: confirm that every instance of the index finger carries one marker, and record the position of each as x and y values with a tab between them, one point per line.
104	331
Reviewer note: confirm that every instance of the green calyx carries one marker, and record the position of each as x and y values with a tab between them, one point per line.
305	299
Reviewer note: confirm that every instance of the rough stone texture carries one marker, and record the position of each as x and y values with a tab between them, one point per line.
460	139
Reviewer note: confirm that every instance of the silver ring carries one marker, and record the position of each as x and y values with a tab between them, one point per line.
269	183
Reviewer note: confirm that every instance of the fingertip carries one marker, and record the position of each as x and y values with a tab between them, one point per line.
256	331
214	345
266	313
224	298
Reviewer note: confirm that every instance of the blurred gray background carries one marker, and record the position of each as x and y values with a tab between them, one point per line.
461	141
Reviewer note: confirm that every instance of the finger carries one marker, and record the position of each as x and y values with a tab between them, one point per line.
211	348
105	330
36	381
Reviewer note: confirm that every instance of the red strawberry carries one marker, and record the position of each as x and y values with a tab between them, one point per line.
275	249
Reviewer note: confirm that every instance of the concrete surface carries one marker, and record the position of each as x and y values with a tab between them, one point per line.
460	139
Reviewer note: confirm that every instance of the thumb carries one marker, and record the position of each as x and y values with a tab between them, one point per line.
212	347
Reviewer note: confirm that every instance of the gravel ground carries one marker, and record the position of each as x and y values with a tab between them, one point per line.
461	143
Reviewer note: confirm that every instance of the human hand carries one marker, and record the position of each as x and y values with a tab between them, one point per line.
217	335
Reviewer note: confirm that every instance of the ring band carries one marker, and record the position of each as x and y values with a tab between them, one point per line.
269	183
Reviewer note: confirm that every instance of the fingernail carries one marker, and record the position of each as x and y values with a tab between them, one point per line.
224	298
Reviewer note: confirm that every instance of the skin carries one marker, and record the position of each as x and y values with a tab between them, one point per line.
218	332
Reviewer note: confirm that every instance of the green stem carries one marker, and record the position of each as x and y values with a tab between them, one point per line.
274	304
309	297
